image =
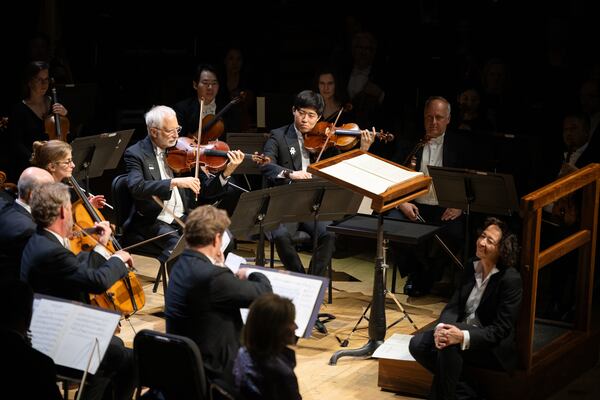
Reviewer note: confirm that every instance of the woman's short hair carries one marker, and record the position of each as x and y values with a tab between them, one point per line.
49	151
267	329
203	224
46	201
508	246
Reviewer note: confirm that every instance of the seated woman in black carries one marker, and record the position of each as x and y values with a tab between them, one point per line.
264	367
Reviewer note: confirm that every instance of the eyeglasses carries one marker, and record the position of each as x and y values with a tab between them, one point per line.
66	162
209	83
488	239
310	115
170	131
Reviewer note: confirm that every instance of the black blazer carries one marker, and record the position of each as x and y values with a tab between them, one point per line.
283	148
144	181
17	227
203	302
498	312
53	270
455	154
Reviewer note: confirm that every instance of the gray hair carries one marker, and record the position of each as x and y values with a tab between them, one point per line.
438	98
46	201
154	118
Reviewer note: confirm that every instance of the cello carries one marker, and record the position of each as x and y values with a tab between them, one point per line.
126	295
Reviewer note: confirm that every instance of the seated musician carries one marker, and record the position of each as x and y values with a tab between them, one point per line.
17	223
425	262
56	157
477	326
51	268
204	297
150	175
205	83
289	160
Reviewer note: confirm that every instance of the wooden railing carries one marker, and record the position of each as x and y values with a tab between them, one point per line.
534	259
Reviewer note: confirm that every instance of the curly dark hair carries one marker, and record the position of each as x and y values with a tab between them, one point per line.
508	246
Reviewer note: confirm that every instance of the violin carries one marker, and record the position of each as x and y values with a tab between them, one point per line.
343	137
411	160
56	126
212	124
126	295
213	155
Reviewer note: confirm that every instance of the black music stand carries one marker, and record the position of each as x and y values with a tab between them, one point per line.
248	219
384	230
248	143
478	191
92	155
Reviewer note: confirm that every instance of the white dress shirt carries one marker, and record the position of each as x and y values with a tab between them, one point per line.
175	202
433	153
210	108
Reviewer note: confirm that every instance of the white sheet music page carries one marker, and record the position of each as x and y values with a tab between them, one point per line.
369	173
66	332
395	348
303	292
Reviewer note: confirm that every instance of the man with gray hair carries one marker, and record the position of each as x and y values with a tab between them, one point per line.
17	223
150	175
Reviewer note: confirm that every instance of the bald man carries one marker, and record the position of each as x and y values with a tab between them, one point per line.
16	222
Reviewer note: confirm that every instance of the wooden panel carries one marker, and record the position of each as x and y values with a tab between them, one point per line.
407	377
563	247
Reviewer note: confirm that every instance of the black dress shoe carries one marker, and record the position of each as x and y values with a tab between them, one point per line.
412	290
320	327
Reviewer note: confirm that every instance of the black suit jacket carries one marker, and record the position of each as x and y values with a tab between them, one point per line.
188	115
498	312
144	181
53	270
203	302
455	154
283	148
17	227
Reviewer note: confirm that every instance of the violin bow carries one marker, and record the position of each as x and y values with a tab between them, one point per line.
97	243
328	136
198	144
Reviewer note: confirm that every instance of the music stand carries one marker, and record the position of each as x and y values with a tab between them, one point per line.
92	155
478	191
248	219
247	143
397	191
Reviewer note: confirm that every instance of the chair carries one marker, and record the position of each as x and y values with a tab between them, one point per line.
171	364
123	204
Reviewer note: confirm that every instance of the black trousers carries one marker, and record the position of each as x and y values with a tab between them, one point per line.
447	366
286	247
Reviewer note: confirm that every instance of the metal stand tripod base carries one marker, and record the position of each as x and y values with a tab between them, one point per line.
365	351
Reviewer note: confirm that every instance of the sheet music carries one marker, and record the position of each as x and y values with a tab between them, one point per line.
395	348
66	331
233	262
304	291
369	173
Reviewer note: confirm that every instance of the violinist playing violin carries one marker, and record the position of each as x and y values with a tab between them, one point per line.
51	268
27	117
150	175
289	160
424	263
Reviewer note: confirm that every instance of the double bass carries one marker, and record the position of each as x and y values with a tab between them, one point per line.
126	295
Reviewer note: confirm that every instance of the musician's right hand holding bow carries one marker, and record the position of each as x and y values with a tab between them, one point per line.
187	182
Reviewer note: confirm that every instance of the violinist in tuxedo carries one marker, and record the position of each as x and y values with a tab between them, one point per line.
440	148
17	223
51	268
289	160
150	175
206	86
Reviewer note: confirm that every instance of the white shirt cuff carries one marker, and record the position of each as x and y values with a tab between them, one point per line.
103	251
224	180
466	341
